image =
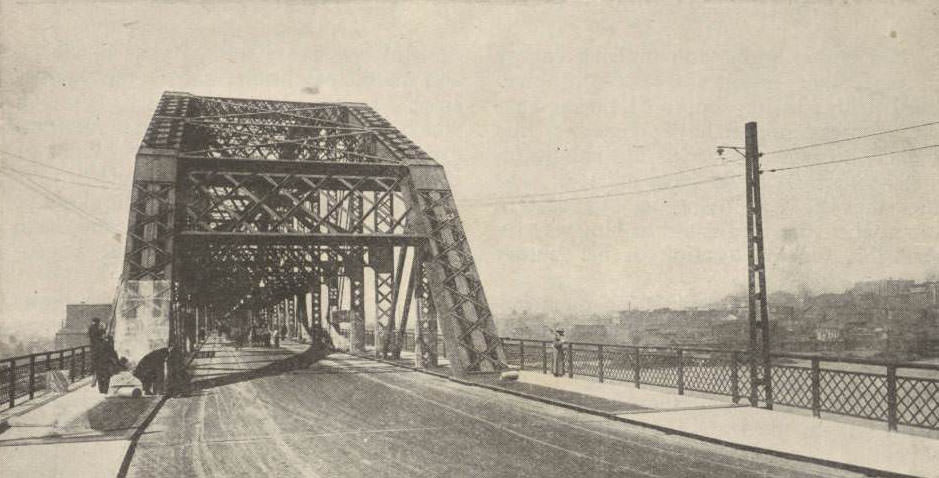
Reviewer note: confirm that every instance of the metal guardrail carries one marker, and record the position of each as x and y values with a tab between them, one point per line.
23	376
898	393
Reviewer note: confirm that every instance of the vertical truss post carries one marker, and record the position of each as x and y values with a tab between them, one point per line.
405	311
332	297
382	261
458	294
425	346
758	314
149	253
355	272
294	316
316	309
301	320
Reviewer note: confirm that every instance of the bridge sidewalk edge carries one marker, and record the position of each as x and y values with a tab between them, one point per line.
667	430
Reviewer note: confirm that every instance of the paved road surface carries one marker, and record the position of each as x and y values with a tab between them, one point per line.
348	417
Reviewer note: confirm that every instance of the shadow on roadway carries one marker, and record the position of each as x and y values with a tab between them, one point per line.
292	362
117	415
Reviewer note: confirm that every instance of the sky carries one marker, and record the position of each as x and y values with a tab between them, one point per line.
512	99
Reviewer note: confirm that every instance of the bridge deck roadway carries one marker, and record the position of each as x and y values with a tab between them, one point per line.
346	417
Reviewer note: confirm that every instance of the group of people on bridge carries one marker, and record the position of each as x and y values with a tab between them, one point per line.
106	363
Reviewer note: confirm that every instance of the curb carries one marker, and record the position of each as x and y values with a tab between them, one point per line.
668	431
135	438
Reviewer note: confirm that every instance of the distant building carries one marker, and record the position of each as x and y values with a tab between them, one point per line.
589	333
883	287
925	294
74	331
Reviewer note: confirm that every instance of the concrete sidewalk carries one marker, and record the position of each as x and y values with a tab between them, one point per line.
756	428
80	433
836	444
85	433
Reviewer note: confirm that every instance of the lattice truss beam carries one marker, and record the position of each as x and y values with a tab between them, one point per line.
267	130
225	274
293	203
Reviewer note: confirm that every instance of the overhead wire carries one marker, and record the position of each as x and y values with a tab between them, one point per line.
60	180
851	138
56	168
55	198
848	160
607	185
523	198
609	195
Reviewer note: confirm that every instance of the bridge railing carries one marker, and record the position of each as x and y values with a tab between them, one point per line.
898	393
22	377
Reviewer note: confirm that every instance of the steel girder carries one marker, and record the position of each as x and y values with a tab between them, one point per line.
245	203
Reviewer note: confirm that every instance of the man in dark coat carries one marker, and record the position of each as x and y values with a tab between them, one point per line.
150	371
95	333
106	364
95	338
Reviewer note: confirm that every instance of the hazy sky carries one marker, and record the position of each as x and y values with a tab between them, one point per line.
512	99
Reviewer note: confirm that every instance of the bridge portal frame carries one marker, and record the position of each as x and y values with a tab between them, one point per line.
240	204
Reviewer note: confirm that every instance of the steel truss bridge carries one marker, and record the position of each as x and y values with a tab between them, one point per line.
252	211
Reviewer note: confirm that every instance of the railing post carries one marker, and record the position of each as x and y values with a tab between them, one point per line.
681	373
48	361
816	388
71	365
544	358
32	376
636	366
734	377
61	359
892	398
12	380
570	360
521	354
600	362
84	359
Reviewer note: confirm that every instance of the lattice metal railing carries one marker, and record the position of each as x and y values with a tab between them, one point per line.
917	402
854	394
896	393
22	377
792	386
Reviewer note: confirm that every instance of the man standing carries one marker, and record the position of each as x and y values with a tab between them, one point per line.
106	364
559	353
95	333
95	338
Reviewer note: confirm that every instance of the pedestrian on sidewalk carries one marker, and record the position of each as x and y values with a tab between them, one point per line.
559	353
106	364
95	338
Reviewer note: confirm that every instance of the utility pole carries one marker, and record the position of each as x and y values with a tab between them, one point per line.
758	315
